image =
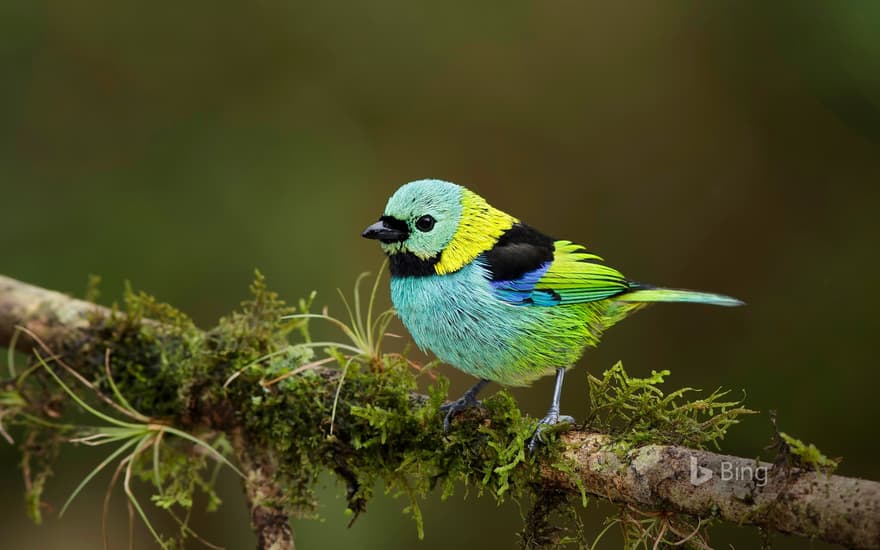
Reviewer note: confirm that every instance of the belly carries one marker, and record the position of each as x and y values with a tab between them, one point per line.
457	317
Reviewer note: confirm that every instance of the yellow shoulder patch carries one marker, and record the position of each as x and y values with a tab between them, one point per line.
479	228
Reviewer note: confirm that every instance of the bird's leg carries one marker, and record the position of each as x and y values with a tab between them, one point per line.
553	416
466	401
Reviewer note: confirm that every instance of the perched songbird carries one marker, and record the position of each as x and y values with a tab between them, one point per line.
497	298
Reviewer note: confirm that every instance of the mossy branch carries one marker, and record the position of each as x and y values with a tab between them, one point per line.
287	416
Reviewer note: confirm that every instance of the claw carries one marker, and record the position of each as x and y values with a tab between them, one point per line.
466	401
553	418
455	407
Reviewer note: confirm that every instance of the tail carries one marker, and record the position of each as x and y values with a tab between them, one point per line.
646	293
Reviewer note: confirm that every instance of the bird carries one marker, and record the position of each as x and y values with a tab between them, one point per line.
498	299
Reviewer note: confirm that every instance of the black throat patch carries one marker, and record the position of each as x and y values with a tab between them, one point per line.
407	264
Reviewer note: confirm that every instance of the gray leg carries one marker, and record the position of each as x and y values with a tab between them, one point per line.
553	416
468	400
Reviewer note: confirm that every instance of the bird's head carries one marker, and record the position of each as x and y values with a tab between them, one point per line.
434	226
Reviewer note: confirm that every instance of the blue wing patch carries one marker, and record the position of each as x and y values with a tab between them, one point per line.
574	276
522	291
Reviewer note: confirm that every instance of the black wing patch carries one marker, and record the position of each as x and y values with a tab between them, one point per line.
519	250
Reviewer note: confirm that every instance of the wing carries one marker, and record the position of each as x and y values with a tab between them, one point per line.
529	268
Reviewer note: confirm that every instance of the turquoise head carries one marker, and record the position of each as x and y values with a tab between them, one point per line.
436	227
421	218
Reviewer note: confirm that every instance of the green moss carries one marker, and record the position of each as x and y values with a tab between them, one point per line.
358	416
808	455
381	434
552	522
636	411
39	452
153	362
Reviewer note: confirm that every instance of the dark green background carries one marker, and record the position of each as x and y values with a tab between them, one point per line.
722	146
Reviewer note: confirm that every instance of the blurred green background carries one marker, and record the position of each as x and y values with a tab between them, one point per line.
732	147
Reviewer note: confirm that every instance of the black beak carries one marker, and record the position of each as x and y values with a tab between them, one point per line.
385	233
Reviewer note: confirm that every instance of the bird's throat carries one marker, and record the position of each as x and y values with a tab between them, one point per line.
407	264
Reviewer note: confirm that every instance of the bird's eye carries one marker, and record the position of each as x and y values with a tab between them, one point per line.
425	223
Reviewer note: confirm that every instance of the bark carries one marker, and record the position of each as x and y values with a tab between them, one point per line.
270	519
832	508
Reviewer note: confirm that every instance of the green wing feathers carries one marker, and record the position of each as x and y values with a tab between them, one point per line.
577	276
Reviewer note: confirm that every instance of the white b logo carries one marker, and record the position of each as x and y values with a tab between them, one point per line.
699	474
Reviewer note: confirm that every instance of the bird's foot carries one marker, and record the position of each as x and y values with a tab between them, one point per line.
464	403
552	419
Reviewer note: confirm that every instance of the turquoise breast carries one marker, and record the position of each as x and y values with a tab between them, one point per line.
459	318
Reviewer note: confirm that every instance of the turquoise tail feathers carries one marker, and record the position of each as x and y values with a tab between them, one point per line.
642	293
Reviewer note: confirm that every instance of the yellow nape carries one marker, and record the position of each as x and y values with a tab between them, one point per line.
479	228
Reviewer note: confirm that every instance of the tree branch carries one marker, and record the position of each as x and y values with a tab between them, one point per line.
658	477
832	508
56	319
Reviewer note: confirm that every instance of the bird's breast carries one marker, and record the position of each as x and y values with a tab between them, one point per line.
441	311
458	317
